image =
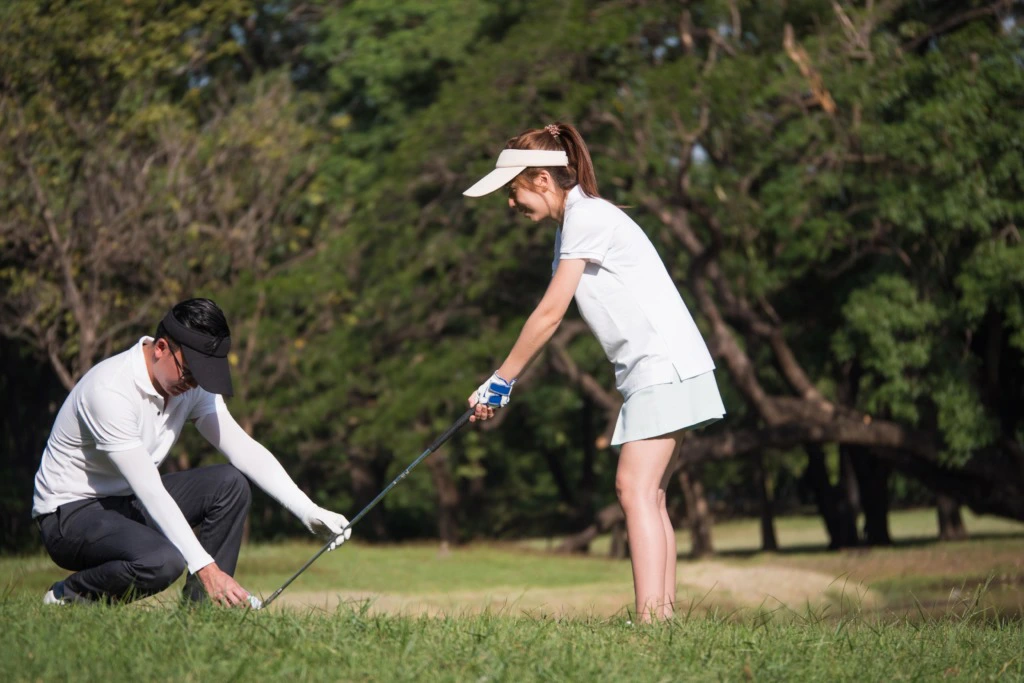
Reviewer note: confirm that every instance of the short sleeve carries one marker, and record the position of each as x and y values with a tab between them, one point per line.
111	418
587	234
205	404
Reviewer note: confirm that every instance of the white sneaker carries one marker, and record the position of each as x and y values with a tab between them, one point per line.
51	597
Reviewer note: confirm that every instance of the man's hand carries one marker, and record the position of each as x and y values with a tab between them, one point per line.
327	525
222	588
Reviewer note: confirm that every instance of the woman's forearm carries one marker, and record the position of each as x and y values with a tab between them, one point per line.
537	331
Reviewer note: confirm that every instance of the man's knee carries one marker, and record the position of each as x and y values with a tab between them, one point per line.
157	570
234	487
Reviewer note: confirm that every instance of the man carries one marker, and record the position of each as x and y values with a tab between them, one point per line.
104	511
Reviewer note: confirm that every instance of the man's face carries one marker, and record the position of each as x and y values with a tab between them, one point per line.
170	371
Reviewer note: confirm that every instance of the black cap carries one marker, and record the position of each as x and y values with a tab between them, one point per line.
205	355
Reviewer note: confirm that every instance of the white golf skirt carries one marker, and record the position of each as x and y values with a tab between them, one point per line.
665	408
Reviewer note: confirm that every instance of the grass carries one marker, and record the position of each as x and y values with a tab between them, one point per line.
917	610
103	643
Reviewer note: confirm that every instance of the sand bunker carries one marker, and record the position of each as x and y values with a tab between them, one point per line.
702	586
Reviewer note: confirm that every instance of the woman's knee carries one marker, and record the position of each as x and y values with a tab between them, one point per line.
633	492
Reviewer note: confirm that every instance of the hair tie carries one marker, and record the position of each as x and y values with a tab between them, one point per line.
553	129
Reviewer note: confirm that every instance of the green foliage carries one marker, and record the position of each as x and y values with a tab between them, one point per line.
303	164
890	331
992	280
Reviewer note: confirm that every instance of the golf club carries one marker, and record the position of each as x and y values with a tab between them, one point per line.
438	442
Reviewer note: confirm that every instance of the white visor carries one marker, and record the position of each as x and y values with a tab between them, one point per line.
512	162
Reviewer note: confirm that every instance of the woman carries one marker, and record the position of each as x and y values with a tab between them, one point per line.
623	291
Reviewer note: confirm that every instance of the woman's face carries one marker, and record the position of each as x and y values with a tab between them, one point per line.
535	200
529	203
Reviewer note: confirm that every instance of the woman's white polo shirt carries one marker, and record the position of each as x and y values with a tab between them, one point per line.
627	297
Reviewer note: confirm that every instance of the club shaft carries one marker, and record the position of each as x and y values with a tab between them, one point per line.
438	442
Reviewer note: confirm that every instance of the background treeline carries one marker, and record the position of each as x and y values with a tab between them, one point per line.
837	188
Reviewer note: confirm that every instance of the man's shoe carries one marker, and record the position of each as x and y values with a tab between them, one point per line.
55	596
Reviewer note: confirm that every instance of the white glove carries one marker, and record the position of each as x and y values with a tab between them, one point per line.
495	392
327	525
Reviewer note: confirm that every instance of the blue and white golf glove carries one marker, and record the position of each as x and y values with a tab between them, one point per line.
495	392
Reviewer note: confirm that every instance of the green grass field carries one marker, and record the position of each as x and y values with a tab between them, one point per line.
917	610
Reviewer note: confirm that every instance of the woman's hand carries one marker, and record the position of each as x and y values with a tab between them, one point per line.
483	412
495	392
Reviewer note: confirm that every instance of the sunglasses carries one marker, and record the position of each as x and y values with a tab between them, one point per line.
184	373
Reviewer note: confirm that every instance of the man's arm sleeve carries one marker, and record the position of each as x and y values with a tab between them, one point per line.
137	467
253	460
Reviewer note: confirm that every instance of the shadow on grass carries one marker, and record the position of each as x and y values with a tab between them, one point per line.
812	549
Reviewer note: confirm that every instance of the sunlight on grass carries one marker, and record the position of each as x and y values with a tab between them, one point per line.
808	531
109	643
519	578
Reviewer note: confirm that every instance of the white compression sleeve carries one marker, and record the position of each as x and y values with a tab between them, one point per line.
254	461
136	466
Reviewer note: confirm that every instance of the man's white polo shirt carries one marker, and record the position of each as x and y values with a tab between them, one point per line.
627	297
114	407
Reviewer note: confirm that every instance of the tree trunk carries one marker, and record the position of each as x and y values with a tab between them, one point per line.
366	484
620	541
873	487
698	515
951	524
587	481
474	493
604	521
553	458
848	500
768	540
815	479
447	500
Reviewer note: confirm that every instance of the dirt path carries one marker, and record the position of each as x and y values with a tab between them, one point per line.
703	585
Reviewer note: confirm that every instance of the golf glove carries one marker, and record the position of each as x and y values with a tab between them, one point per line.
495	392
327	525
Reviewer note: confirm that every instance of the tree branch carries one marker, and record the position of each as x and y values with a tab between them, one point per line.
957	20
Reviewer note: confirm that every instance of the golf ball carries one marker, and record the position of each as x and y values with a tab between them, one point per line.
255	602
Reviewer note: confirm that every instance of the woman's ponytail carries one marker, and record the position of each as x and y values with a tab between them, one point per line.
560	137
579	157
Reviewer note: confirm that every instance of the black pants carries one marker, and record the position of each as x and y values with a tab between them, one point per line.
117	551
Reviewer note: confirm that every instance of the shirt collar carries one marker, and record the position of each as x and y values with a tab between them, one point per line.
139	371
575	194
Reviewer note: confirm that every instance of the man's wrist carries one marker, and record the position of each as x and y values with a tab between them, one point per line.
305	510
206	570
197	565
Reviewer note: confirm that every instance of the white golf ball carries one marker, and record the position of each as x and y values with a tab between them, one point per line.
255	602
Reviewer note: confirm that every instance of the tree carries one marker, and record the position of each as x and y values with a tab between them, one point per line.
135	171
834	186
800	214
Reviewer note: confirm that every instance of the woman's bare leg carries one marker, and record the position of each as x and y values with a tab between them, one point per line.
669	605
642	466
